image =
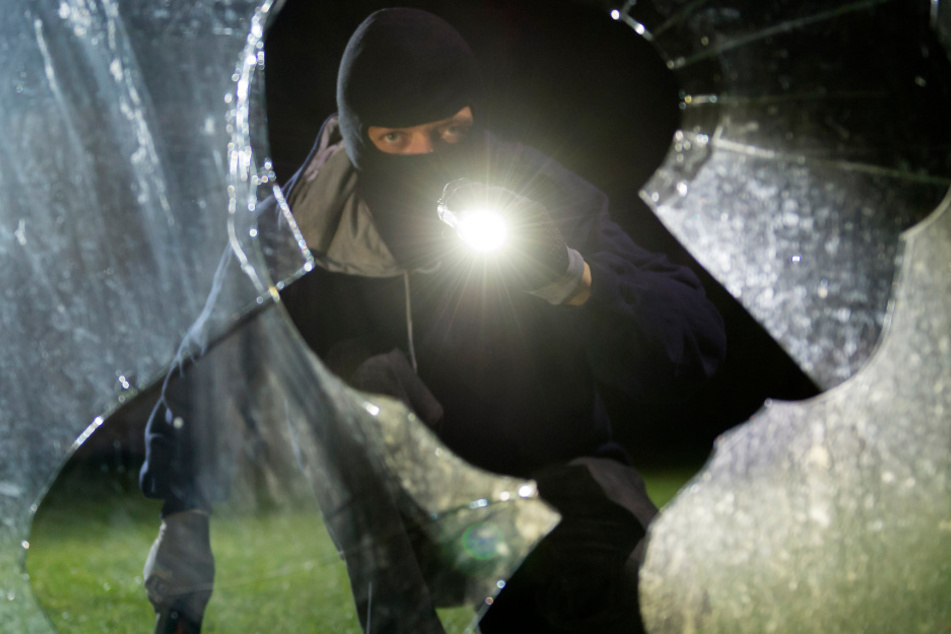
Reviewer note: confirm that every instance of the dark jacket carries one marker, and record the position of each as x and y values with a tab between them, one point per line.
517	377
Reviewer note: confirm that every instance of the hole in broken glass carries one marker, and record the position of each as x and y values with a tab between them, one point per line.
94	508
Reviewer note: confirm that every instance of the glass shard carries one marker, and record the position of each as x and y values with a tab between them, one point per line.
116	181
857	484
830	514
793	174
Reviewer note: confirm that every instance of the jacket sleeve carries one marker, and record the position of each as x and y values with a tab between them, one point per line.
174	444
647	327
204	422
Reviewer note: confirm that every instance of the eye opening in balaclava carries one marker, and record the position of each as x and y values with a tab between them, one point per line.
401	68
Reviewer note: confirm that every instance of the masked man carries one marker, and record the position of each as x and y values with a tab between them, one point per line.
501	353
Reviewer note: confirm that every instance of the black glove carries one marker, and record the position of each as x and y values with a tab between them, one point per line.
180	569
535	253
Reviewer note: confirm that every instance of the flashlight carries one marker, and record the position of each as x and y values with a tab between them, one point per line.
482	228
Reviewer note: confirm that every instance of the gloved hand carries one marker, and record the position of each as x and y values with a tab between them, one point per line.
180	569
535	253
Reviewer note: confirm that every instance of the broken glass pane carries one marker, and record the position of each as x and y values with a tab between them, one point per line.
831	515
116	181
115	234
152	243
796	169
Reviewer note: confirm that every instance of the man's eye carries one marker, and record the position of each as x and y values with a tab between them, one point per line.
453	134
392	137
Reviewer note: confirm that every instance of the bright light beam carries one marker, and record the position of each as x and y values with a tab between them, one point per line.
484	230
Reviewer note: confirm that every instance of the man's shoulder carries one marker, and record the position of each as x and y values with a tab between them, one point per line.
332	216
329	143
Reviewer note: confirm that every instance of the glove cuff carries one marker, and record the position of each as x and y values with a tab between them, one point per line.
562	289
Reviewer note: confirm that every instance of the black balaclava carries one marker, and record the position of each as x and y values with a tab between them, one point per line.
402	68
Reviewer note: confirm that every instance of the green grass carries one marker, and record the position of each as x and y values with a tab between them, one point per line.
663	484
85	563
275	572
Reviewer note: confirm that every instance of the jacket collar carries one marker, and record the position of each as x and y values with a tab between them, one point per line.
333	217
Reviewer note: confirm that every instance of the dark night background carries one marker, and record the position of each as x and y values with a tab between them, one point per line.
587	90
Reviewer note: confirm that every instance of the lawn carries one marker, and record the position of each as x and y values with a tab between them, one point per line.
93	531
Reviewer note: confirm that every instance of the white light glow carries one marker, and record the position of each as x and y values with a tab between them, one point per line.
483	230
615	14
371	408
526	490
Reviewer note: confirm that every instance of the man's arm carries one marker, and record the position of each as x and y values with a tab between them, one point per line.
646	323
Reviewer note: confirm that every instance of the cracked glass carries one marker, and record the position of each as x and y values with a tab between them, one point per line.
137	233
797	167
145	242
798	184
857	483
114	225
